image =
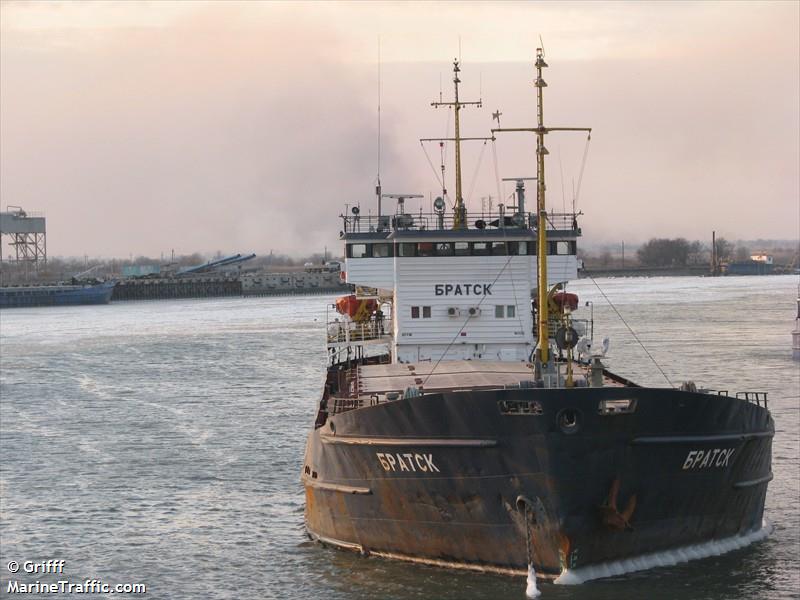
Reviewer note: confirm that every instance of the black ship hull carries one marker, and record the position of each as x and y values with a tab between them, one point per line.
463	478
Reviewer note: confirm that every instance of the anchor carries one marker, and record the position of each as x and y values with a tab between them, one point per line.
609	513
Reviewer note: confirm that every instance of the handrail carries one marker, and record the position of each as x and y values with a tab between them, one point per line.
757	398
339	332
435	222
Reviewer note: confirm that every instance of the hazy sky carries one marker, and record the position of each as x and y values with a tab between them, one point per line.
139	127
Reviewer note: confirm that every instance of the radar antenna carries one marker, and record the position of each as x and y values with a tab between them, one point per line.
378	178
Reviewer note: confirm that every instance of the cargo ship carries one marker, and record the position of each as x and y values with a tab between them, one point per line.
56	295
468	421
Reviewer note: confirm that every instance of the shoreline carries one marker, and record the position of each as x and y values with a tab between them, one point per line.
698	271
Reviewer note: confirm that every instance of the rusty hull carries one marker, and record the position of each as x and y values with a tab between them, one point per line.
609	487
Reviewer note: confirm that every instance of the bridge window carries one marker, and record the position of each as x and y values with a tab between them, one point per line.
406	249
426	249
430	249
358	250
499	248
381	250
559	248
518	248
480	248
415	312
499	312
511	311
444	249
461	249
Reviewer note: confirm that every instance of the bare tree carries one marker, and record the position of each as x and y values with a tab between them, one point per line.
661	252
742	252
724	249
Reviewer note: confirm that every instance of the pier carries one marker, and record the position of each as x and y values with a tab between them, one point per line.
168	288
230	284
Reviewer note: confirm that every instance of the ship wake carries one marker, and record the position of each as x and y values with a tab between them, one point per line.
666	558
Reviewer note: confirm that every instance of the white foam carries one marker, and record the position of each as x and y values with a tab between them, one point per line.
666	558
532	591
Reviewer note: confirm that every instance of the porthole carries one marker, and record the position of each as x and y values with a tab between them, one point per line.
569	420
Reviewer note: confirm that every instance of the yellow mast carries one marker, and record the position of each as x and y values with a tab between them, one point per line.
459	211
459	218
541	222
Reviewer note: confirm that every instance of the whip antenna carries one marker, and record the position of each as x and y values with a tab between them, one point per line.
378	183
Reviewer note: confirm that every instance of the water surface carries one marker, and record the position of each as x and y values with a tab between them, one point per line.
162	442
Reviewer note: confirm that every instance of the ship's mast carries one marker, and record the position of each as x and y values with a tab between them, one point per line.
541	209
459	210
543	354
459	217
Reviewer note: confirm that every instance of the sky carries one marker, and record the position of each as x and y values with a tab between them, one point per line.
139	128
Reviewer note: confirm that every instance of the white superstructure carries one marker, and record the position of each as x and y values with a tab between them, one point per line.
458	294
459	289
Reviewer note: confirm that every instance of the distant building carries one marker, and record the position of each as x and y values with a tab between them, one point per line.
762	258
759	264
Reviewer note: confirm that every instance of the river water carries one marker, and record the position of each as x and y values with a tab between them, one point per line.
161	443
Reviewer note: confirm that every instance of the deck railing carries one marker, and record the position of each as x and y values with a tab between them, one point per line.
341	331
432	221
757	398
343	404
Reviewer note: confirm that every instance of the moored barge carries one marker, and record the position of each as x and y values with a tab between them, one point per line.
56	295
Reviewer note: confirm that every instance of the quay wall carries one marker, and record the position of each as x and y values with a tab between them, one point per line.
699	271
169	288
293	283
234	284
